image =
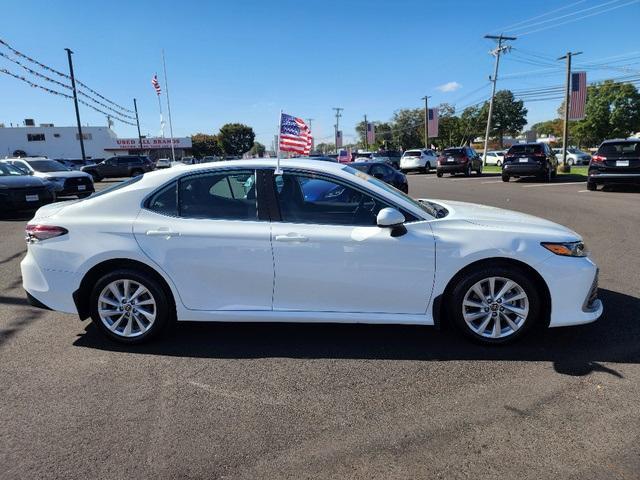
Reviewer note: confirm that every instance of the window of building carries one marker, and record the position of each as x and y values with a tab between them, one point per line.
56	135
35	137
85	136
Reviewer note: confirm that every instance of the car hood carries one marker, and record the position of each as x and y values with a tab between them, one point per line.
21	181
72	174
505	220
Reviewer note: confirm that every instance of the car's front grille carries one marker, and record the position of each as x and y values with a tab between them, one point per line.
73	182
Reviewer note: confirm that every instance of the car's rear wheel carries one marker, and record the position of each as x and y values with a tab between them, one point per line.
136	172
505	178
495	305
592	186
467	172
129	306
439	174
95	176
498	163
427	168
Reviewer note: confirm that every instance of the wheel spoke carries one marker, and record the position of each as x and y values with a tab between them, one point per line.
150	316
139	291
521	312
108	301
510	322
471	303
478	291
483	325
492	287
470	317
141	325
508	285
127	328
517	296
109	313
113	287
497	330
146	302
115	324
125	288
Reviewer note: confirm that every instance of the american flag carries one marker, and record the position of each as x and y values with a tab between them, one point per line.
156	84
432	125
371	133
295	135
578	97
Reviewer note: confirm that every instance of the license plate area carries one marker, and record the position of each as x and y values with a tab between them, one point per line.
82	187
523	160
31	198
451	159
622	163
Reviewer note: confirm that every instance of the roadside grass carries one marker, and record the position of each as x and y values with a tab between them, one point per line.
575	170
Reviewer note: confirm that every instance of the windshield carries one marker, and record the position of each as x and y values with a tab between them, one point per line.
47	166
412	153
7	170
430	208
453	151
526	149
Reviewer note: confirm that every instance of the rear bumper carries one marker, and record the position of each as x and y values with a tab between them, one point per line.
455	168
50	289
517	169
599	177
412	164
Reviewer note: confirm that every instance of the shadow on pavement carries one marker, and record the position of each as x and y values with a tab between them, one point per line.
573	351
566	178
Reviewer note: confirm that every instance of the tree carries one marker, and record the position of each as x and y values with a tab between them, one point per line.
257	150
325	147
236	138
205	145
383	134
473	123
408	128
612	111
549	127
449	127
509	115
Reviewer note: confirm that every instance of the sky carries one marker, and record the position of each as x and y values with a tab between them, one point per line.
245	60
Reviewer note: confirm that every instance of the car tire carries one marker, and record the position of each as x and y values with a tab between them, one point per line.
489	318
505	178
439	174
570	162
136	172
479	171
467	172
96	177
84	195
427	167
546	175
498	163
143	316
592	186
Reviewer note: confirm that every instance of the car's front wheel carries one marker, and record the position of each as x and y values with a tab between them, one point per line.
495	305
129	306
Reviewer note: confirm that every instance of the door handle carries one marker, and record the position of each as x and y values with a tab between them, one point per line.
162	232
291	237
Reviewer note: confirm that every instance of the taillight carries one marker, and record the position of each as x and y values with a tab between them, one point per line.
464	159
598	159
38	233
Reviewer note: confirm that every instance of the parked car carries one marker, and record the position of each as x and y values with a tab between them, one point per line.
421	160
495	157
277	251
19	191
386	157
615	162
322	158
459	160
163	163
574	156
529	160
343	156
65	182
77	163
384	172
210	159
120	166
189	160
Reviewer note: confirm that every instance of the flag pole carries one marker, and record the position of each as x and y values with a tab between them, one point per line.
160	108
166	84
278	170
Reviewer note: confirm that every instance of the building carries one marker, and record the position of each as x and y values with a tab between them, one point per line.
50	141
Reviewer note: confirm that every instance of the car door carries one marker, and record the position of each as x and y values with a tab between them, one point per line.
108	168
203	230
330	256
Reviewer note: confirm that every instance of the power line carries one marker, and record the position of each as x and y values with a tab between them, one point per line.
509	28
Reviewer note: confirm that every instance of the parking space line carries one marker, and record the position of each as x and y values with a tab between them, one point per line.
492	181
582	191
549	184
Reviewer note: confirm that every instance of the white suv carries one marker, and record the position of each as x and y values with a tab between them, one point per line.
419	159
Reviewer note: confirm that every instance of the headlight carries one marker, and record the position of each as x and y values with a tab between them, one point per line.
566	249
55	179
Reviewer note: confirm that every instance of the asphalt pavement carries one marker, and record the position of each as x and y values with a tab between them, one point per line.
336	401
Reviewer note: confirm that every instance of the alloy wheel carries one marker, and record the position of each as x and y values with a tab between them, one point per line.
127	308
495	307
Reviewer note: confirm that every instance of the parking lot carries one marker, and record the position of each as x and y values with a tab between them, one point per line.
337	401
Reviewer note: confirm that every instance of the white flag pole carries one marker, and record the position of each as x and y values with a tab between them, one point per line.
166	85
278	170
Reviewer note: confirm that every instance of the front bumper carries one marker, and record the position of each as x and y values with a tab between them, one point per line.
13	201
573	284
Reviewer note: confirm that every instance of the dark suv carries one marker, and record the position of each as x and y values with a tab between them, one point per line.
119	166
530	159
616	161
459	160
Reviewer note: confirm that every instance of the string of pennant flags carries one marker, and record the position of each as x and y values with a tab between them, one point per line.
64	75
61	94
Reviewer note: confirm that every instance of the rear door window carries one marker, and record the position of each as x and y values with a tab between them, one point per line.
525	149
620	149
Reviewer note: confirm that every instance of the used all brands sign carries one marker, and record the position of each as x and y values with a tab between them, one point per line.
151	143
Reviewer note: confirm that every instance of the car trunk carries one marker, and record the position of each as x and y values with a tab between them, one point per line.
525	154
456	156
619	157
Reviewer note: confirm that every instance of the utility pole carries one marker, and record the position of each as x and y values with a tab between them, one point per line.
75	102
166	84
565	135
426	121
366	134
337	125
135	107
499	49
309	120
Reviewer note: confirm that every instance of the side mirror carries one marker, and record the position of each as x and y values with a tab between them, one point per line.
393	219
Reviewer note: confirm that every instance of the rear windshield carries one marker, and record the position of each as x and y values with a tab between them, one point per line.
47	166
526	149
620	149
412	153
453	151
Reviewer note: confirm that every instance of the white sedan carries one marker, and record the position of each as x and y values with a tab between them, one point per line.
321	242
